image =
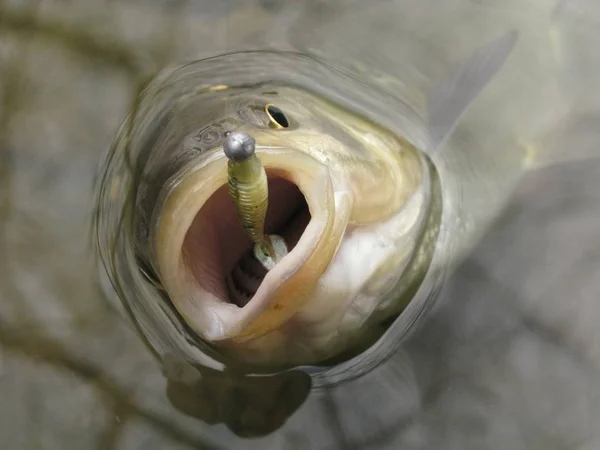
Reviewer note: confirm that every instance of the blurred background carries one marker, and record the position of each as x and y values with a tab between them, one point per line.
509	360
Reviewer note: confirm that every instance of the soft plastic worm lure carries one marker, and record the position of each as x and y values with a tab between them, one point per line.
249	190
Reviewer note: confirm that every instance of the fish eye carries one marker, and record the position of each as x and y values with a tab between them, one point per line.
277	118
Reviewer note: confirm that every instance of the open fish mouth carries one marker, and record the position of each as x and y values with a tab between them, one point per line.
204	255
348	229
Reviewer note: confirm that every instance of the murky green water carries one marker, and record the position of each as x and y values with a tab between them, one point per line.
509	357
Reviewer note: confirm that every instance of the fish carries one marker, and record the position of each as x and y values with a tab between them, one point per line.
354	206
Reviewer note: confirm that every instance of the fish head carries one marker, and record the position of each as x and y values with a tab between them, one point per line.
348	197
355	202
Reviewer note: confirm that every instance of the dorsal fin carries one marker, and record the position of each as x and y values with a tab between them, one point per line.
453	94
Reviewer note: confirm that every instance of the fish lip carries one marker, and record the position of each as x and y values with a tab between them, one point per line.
230	322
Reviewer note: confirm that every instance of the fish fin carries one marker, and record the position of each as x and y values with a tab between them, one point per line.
453	94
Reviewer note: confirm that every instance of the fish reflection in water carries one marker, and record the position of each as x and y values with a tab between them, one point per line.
249	406
358	204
